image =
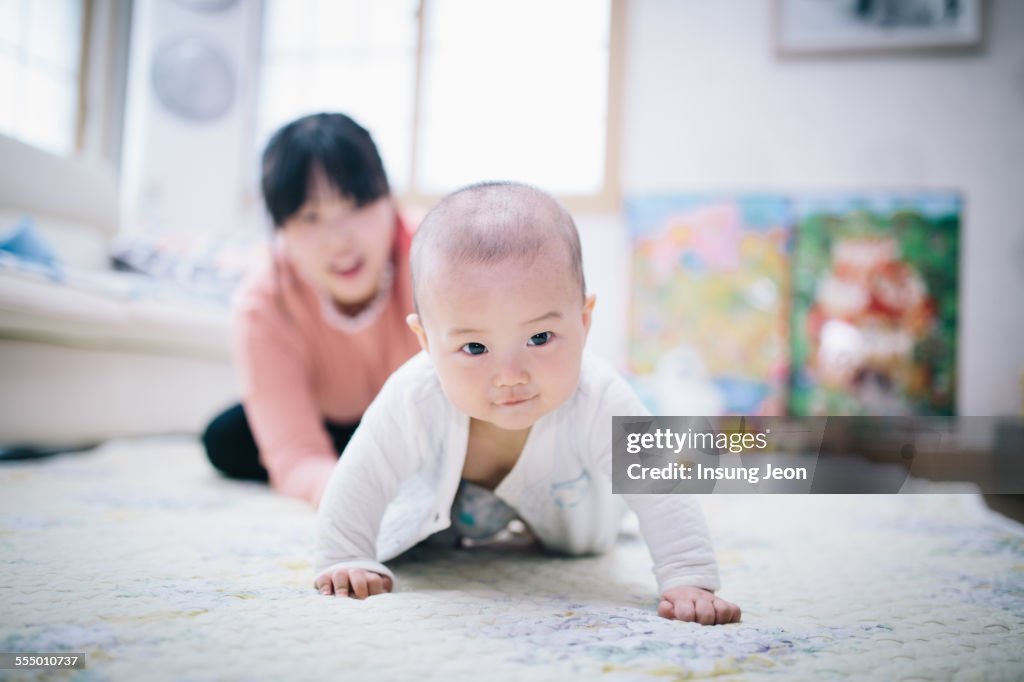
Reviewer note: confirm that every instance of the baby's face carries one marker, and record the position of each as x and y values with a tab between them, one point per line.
506	339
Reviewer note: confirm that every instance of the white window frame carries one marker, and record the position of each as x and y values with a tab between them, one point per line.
607	199
81	187
99	96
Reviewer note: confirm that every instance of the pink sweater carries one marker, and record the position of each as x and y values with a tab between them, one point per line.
298	367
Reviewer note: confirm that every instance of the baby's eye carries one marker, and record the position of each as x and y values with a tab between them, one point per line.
474	348
540	339
308	217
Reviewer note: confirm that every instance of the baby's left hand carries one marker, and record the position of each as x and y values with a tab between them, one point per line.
693	604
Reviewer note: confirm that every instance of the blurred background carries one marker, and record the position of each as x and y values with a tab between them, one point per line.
786	207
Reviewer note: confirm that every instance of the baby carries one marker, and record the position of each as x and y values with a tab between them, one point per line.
502	415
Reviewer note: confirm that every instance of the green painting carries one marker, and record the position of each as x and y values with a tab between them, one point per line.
873	324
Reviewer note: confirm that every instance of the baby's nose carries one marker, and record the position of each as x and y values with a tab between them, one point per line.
511	373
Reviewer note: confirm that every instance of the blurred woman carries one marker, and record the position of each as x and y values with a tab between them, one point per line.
319	324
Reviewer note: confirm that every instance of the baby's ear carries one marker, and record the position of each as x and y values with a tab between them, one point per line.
588	312
413	320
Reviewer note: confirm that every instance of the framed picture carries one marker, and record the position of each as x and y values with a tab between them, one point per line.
707	329
873	317
806	27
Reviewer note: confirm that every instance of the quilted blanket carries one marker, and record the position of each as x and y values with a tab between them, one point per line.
139	556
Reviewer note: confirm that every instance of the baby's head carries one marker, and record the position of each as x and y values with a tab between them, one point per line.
501	301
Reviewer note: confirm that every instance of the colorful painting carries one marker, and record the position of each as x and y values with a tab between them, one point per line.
708	332
874	305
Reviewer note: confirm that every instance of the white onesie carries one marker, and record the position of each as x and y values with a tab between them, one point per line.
395	483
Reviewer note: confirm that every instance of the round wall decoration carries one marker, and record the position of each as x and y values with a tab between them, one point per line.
193	79
207	5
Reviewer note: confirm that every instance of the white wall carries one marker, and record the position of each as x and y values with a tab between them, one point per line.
708	105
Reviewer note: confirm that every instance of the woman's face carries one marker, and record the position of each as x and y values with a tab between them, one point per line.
338	247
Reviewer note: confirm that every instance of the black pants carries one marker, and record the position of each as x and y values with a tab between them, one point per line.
232	449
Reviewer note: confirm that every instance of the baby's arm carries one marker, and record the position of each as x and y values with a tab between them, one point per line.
365	480
673	527
684	559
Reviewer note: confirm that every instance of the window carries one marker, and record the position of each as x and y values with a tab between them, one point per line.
41	47
351	56
456	91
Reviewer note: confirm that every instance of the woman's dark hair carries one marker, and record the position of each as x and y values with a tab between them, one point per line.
335	143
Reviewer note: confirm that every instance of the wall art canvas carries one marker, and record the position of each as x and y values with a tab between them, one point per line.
827	26
707	325
874	309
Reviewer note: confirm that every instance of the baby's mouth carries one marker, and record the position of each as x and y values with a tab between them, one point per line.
514	401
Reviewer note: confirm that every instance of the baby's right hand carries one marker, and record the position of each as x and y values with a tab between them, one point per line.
353	582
